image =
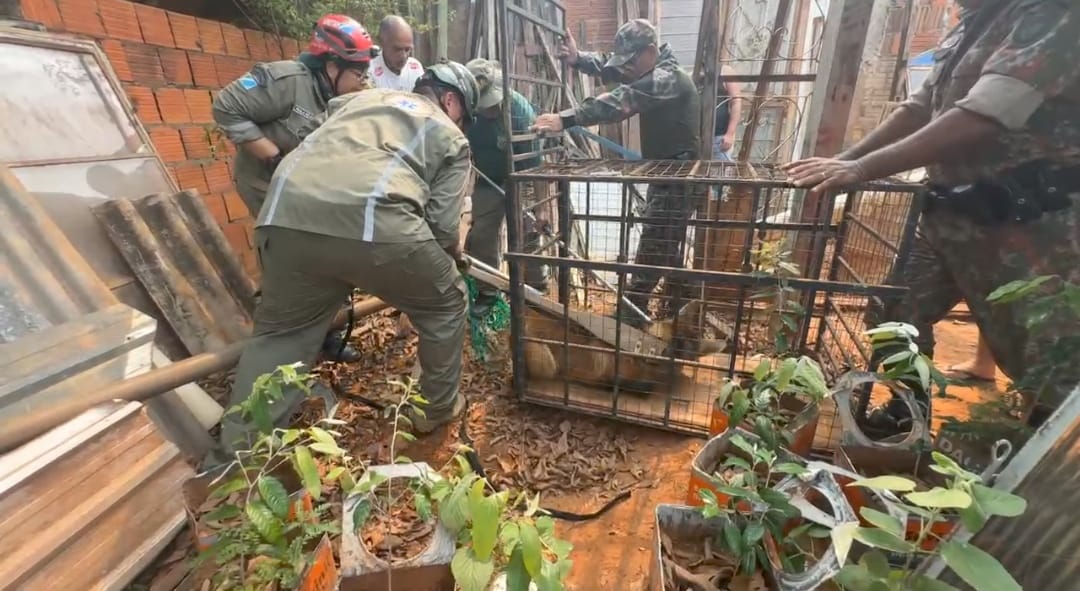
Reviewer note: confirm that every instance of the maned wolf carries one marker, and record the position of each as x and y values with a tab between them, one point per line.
597	368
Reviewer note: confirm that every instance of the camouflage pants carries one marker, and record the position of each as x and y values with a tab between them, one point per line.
954	259
663	238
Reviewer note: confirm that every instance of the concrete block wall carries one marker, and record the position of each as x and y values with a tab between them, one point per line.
171	65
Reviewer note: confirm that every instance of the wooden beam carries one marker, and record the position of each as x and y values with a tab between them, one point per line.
706	70
902	51
772	52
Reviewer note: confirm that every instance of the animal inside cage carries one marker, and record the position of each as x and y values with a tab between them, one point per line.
671	276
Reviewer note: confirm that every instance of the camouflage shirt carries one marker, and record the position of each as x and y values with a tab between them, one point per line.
666	98
1022	72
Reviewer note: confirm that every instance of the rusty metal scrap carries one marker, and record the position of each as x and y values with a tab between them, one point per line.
183	260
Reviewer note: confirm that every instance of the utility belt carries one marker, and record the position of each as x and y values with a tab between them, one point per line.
1019	195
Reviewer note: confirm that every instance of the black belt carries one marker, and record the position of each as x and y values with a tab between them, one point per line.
1019	195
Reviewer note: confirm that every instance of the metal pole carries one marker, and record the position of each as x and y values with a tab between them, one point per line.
21	423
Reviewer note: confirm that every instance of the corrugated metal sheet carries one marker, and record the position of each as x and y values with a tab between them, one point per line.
1041	548
679	24
182	258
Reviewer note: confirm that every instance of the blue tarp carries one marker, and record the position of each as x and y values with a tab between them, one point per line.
923	60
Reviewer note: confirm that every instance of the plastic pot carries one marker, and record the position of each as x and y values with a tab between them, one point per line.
712	454
363	571
803	425
683	524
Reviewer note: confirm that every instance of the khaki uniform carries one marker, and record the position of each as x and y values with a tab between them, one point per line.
280	101
372	200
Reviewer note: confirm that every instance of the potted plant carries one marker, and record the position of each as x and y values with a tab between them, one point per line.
724	459
891	561
771	259
780	403
782	529
263	522
688	553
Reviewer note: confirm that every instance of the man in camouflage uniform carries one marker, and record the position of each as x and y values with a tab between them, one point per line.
997	125
654	86
370	200
269	111
488	140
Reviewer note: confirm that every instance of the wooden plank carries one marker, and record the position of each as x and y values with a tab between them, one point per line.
707	69
106	557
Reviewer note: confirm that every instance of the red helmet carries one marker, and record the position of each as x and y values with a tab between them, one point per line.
341	37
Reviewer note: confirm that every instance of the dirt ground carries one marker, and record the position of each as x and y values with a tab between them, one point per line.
577	463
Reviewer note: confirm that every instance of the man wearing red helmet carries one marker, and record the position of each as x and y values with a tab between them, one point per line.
372	200
271	109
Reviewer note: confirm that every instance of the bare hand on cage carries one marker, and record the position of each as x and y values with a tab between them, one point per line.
825	174
548	123
568	51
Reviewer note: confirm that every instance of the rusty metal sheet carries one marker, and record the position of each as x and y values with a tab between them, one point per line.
1040	547
182	258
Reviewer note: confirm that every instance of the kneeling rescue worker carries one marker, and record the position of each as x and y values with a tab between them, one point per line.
270	110
370	200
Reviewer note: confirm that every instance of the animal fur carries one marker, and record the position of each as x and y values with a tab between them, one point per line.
597	368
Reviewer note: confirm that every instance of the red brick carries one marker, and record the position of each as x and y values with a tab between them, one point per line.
175	64
215	203
203	71
290	48
172	105
119	19
199	105
145	64
234	233
142	99
190	176
81	16
168	144
256	42
43	11
154	23
273	48
196	142
230	68
217	176
210	38
235	206
114	51
185	30
235	44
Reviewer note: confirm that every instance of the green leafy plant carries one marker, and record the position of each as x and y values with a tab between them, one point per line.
904	361
754	509
763	403
495	535
771	259
263	530
294	18
962	496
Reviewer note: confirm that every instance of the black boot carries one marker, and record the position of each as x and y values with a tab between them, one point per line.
333	351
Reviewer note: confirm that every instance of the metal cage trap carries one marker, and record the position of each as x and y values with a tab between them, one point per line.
728	261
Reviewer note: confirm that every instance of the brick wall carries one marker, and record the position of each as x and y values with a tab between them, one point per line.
930	21
171	65
599	20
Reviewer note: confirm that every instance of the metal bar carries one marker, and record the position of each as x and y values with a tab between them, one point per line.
852	333
534	80
21	424
745	78
717	277
699	223
624	249
847	267
538	154
871	231
544	173
635	355
564	278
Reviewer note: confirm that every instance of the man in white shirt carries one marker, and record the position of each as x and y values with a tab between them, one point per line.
395	68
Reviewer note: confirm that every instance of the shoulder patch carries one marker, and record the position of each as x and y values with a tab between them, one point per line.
247	82
410	104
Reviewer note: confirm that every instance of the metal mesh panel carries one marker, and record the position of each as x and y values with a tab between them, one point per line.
722	256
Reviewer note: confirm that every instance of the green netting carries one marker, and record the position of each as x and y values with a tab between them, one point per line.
482	329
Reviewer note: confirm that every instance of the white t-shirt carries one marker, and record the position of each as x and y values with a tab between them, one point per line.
384	78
